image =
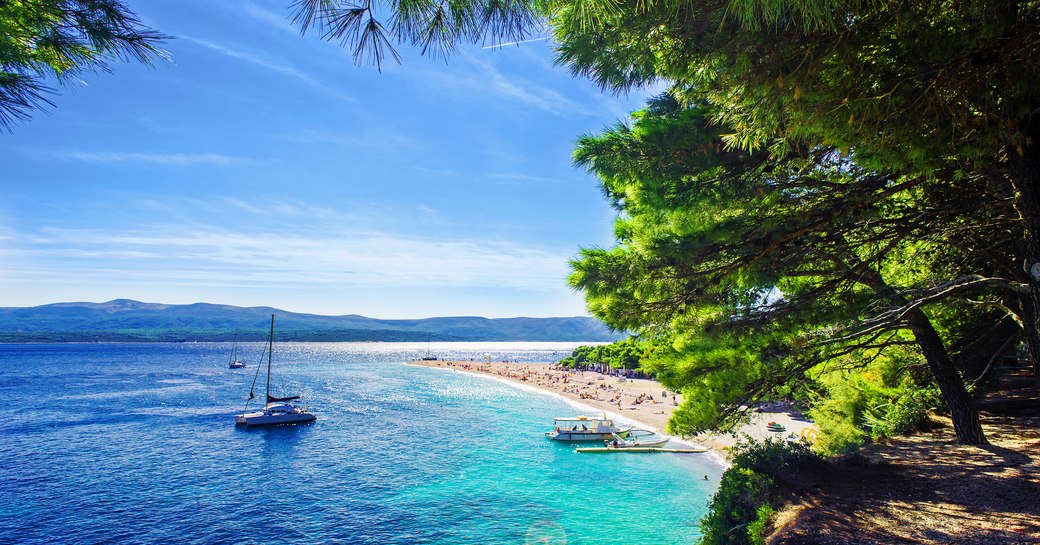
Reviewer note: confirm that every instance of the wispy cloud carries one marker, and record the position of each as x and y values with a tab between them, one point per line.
270	18
498	46
518	178
275	248
473	77
172	254
524	91
380	137
438	172
169	159
265	62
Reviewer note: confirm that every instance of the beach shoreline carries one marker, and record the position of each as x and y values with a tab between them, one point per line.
642	402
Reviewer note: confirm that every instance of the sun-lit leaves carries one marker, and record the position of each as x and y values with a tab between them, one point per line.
63	39
435	28
747	270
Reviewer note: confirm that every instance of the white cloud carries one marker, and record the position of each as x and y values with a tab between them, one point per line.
270	18
379	137
170	159
265	62
173	254
281	243
472	76
438	172
518	178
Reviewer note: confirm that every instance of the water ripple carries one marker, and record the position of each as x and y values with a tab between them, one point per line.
135	444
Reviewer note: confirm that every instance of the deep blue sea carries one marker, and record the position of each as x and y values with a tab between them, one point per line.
136	443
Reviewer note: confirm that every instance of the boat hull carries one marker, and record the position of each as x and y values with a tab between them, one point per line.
266	419
581	435
604	450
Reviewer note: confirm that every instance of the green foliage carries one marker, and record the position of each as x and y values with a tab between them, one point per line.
624	354
775	457
740	511
371	29
735	507
843	73
747	271
63	39
757	528
890	396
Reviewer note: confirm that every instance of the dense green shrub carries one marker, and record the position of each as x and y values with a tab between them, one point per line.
773	457
889	396
625	354
742	492
740	511
757	528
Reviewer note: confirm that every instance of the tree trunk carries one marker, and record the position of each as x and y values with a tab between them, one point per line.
962	408
1031	332
1024	172
963	413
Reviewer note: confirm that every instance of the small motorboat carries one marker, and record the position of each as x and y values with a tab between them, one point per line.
636	439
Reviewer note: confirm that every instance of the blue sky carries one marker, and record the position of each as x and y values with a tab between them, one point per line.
262	168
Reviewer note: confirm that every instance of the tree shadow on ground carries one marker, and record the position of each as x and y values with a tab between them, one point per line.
925	489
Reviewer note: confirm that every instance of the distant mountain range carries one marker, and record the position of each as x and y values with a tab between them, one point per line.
124	320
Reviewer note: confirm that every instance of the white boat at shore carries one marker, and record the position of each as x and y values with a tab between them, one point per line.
585	428
277	410
636	439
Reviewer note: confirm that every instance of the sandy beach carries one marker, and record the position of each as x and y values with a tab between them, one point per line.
644	402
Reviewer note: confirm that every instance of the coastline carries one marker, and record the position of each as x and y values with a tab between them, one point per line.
643	402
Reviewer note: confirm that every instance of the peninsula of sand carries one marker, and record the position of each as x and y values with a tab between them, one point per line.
643	402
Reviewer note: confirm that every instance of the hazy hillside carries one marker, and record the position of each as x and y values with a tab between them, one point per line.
127	320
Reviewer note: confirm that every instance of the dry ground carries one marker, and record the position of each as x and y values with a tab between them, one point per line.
924	489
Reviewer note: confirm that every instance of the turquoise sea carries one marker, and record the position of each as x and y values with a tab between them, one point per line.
136	443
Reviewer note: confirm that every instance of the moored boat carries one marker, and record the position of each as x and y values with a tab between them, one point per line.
636	439
233	361
277	410
585	428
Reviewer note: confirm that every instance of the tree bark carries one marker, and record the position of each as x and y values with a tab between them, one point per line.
963	413
962	408
1024	173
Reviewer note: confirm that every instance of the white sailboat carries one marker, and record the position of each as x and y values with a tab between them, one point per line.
277	410
233	362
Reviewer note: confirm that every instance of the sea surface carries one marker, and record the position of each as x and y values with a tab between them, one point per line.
136	443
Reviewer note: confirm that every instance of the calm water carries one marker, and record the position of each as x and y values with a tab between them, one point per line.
136	443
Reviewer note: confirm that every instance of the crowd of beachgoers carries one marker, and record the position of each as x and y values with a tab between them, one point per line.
642	401
587	385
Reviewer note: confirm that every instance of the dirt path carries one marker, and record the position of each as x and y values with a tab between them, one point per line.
924	489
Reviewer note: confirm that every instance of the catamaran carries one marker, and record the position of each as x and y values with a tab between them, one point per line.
278	410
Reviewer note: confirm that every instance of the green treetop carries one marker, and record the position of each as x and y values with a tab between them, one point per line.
62	39
750	270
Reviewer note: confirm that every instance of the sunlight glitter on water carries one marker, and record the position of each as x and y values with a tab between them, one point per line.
399	454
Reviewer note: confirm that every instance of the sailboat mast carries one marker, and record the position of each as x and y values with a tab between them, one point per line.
270	345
